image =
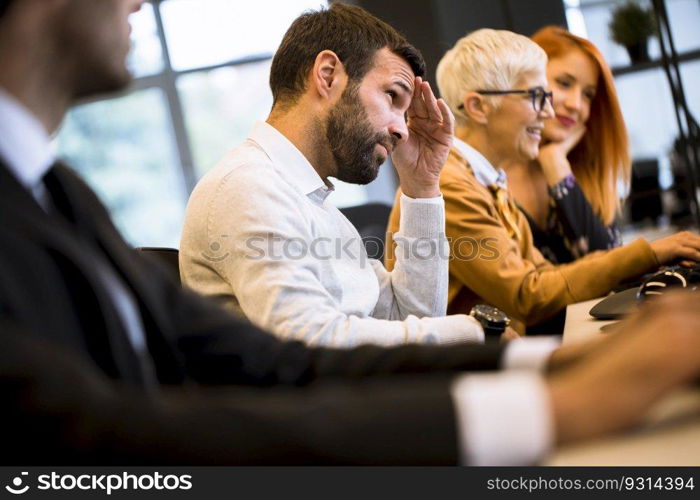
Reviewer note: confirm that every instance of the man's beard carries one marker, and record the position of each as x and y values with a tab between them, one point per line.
352	142
98	79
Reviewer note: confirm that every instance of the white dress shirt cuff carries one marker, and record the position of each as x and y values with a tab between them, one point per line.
503	418
422	217
529	353
454	329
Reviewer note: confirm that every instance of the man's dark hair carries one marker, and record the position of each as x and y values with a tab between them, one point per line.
351	32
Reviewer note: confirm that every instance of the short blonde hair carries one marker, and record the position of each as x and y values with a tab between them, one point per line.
486	59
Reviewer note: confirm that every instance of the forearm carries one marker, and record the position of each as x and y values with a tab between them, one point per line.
578	220
417	284
59	409
554	164
531	293
371	360
390	421
597	273
221	350
512	283
287	298
613	385
322	324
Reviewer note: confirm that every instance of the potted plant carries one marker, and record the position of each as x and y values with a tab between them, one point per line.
631	26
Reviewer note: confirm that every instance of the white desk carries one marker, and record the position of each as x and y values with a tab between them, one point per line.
580	325
669	436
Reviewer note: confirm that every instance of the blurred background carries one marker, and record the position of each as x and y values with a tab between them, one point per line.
201	81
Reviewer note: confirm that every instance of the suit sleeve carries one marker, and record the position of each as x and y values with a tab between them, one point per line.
59	409
221	349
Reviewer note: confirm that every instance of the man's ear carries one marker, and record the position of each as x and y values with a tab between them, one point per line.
328	77
476	108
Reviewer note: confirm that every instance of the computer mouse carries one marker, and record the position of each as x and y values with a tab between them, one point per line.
669	278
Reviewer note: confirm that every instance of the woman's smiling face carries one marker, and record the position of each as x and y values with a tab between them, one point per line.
573	78
515	127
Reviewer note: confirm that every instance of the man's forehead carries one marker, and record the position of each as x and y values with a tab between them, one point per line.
388	65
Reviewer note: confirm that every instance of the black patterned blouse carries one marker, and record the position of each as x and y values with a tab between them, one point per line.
573	229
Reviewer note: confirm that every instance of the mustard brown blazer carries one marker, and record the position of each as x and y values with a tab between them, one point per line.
487	266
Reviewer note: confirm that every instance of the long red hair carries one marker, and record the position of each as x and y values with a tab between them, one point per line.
602	156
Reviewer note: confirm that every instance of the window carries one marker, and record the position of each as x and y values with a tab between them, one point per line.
210	32
130	158
652	126
146	57
201	72
590	18
219	107
643	89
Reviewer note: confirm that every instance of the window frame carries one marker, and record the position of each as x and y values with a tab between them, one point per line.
166	80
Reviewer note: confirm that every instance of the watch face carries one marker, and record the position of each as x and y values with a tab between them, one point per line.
490	315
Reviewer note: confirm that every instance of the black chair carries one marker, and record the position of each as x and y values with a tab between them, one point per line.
168	256
370	220
644	201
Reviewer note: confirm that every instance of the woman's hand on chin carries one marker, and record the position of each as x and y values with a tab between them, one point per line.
553	155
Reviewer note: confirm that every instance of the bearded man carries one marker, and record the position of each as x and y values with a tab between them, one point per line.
260	233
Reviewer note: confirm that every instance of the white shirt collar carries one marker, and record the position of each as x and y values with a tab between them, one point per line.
25	146
485	173
290	162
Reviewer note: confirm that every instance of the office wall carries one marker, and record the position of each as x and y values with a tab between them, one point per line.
435	25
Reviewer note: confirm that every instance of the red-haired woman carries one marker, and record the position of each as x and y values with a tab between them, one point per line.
569	193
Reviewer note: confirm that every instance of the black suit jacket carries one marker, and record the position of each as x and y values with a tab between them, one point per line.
71	378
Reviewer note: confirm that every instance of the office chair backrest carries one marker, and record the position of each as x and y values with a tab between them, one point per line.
168	256
370	220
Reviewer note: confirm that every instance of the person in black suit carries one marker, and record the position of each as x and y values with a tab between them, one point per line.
105	359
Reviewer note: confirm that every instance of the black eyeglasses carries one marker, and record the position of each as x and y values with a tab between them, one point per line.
538	95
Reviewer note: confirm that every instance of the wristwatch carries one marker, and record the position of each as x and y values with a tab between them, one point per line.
492	319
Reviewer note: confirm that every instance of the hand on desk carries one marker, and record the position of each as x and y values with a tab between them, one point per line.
683	247
608	385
